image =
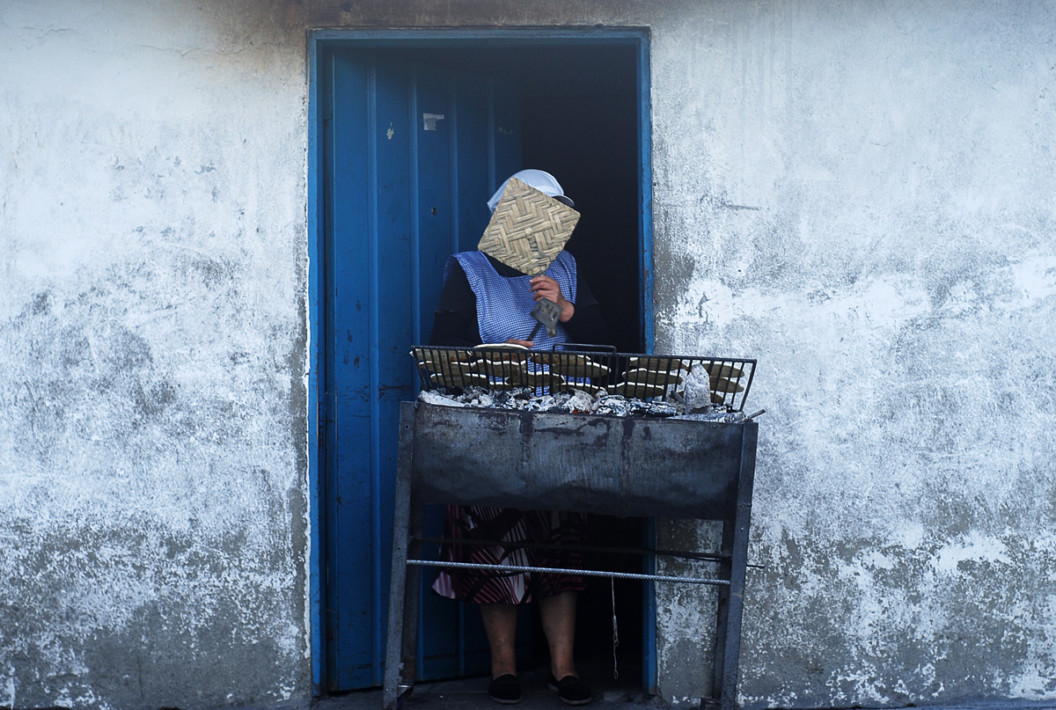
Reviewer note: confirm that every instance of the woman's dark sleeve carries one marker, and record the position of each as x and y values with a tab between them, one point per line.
455	319
587	325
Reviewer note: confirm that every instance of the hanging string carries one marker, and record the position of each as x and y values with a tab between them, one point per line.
615	631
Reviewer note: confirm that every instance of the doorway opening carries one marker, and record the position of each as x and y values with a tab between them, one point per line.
579	111
580	122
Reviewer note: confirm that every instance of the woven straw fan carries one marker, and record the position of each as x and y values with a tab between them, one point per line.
528	229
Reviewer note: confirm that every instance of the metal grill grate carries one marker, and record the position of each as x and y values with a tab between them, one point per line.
679	379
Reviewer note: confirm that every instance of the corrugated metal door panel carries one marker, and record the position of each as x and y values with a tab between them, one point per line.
506	133
391	267
436	218
350	519
434	166
413	155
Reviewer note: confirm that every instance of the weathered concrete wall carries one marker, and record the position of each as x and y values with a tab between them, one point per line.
869	210
859	194
152	357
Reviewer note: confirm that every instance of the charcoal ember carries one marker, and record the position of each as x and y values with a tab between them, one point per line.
696	391
715	414
467	394
614	405
525	398
545	403
576	402
507	398
560	403
579	401
482	398
567	402
658	409
433	397
638	407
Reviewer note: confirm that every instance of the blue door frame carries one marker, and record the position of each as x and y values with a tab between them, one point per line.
460	38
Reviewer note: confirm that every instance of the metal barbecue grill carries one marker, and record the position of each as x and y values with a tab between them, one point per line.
704	380
517	454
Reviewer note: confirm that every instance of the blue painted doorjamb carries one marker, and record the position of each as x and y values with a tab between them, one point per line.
645	268
317	404
316	237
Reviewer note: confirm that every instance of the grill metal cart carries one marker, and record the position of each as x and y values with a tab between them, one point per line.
621	466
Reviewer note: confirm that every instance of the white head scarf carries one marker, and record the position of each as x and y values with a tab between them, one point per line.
542	181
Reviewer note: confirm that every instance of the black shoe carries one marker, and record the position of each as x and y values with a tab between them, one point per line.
572	689
506	689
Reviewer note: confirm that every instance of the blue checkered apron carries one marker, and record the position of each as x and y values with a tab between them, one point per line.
504	304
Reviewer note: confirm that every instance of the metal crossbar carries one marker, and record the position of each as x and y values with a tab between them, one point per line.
561	570
639	551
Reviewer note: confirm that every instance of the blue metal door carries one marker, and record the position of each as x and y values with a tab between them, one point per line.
411	155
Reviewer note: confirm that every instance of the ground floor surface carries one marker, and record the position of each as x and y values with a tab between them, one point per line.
471	694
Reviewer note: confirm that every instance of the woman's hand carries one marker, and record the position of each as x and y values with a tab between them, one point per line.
546	287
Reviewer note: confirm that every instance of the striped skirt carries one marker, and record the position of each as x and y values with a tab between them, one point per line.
503	532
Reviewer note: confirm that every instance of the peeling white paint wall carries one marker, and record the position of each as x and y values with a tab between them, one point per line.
870	211
152	356
859	194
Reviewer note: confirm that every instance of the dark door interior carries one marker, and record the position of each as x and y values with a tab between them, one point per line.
579	117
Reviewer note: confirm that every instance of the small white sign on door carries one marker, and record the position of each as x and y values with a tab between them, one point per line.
429	120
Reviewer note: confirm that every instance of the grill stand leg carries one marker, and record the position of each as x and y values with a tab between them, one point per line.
409	645
403	585
731	598
728	628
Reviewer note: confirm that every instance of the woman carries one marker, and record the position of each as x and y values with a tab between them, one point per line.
485	301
